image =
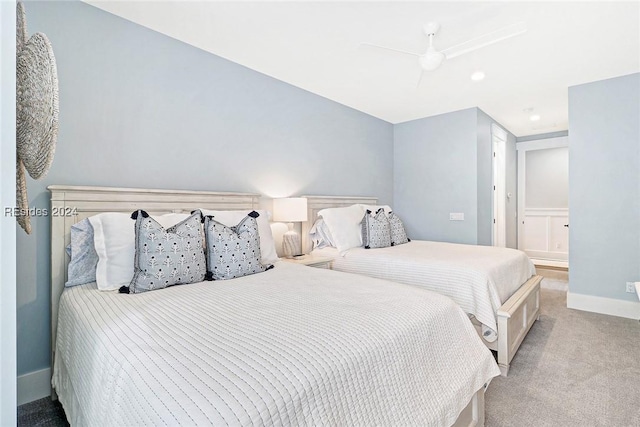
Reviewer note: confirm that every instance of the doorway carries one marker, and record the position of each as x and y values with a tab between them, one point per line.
498	144
543	209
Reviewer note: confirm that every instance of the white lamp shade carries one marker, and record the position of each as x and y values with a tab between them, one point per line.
290	209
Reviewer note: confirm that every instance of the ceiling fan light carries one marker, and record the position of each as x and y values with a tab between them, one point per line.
477	76
431	60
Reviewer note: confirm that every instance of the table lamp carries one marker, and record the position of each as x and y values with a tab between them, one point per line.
290	210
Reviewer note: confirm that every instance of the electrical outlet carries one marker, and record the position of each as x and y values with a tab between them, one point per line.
456	216
631	287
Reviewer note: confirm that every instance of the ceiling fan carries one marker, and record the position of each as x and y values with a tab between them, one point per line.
433	58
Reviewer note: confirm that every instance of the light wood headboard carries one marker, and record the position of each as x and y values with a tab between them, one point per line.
70	204
317	203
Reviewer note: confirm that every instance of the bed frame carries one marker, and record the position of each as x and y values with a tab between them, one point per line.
515	316
70	204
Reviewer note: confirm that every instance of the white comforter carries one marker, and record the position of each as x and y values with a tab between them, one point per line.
479	278
292	346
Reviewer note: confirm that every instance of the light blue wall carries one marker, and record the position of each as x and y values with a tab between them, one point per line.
435	173
443	164
604	186
139	109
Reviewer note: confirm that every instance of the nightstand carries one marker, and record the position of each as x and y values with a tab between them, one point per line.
317	261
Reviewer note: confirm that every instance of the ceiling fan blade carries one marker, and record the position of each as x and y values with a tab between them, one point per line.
420	78
390	48
486	40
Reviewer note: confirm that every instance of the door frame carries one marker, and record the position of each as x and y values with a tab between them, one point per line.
522	148
499	182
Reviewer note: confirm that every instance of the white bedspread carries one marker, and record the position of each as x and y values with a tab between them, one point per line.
292	346
479	278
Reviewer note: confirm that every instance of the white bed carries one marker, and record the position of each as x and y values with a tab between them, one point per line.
496	286
293	345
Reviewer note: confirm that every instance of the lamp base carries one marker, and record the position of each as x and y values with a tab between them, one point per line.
291	244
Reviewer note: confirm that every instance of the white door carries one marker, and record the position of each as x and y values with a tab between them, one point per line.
543	210
499	142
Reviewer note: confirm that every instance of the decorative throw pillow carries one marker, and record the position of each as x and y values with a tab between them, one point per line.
398	233
114	241
376	232
233	251
376	208
84	259
267	244
166	257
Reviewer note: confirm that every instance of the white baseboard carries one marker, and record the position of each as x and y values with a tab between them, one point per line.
602	305
34	385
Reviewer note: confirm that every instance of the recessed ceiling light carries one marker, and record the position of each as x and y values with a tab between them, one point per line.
477	76
534	117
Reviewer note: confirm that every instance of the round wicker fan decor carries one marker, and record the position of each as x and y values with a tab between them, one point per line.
36	110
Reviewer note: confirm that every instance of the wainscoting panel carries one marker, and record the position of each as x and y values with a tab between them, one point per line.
545	235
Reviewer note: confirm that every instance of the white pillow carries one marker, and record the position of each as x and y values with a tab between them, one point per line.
114	240
321	235
267	244
344	225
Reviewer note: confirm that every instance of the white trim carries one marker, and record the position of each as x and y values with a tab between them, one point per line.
499	194
602	305
542	144
498	132
34	385
547	211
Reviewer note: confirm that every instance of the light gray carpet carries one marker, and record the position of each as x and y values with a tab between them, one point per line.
42	413
573	369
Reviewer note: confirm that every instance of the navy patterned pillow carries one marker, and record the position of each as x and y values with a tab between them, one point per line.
233	251
398	233
376	232
166	257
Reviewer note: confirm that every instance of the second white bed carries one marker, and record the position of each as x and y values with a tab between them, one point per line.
479	278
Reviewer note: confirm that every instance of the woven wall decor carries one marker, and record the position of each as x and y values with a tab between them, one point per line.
22	201
21	27
36	109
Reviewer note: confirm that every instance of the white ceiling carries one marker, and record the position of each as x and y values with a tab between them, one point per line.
316	46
